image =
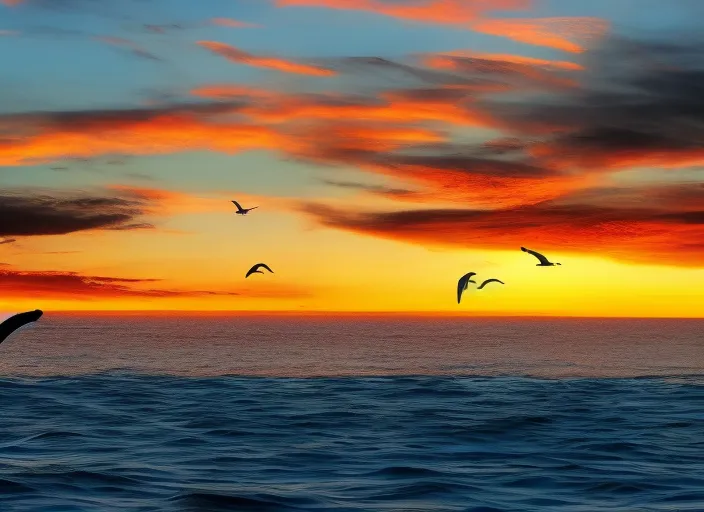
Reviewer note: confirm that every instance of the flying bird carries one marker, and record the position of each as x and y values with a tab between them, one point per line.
543	260
16	321
255	269
487	282
462	284
243	211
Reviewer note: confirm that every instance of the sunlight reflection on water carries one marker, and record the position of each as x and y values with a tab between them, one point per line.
326	346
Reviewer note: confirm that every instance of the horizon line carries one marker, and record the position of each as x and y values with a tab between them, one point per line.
217	312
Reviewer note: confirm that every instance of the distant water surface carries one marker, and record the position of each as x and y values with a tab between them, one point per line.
283	346
288	414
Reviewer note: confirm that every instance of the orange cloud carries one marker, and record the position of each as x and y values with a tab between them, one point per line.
8	33
62	285
558	33
40	138
317	141
507	67
448	177
480	189
632	232
453	12
224	91
618	159
11	2
515	59
229	22
235	55
157	134
443	104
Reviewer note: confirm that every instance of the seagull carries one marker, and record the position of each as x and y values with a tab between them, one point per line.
242	211
16	321
462	284
255	270
487	282
543	260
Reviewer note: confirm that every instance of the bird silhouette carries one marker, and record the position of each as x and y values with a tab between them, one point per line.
462	284
13	323
487	282
243	211
255	269
543	260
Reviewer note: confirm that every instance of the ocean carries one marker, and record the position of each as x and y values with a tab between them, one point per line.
255	413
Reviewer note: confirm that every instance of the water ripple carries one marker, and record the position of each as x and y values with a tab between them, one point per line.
135	443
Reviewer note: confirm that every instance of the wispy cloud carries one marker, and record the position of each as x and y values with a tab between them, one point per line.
77	286
164	28
514	71
271	62
365	187
567	34
134	48
53	285
446	104
233	23
451	12
48	136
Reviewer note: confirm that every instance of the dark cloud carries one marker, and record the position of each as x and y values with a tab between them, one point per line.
74	285
79	286
81	120
375	189
163	29
7	241
94	7
640	103
357	65
27	214
443	160
641	232
456	173
513	75
503	146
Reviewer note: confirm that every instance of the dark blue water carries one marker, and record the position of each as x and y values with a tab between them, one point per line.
140	443
233	414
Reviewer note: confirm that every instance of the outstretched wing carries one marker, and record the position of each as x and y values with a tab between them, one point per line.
462	284
489	281
15	322
264	266
239	208
252	208
540	257
251	271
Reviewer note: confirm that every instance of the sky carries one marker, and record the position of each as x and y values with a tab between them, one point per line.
390	146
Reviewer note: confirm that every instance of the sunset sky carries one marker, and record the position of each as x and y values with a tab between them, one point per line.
391	147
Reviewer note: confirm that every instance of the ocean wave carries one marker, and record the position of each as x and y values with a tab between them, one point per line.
136	443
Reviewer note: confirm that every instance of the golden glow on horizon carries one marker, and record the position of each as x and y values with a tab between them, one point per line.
350	273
